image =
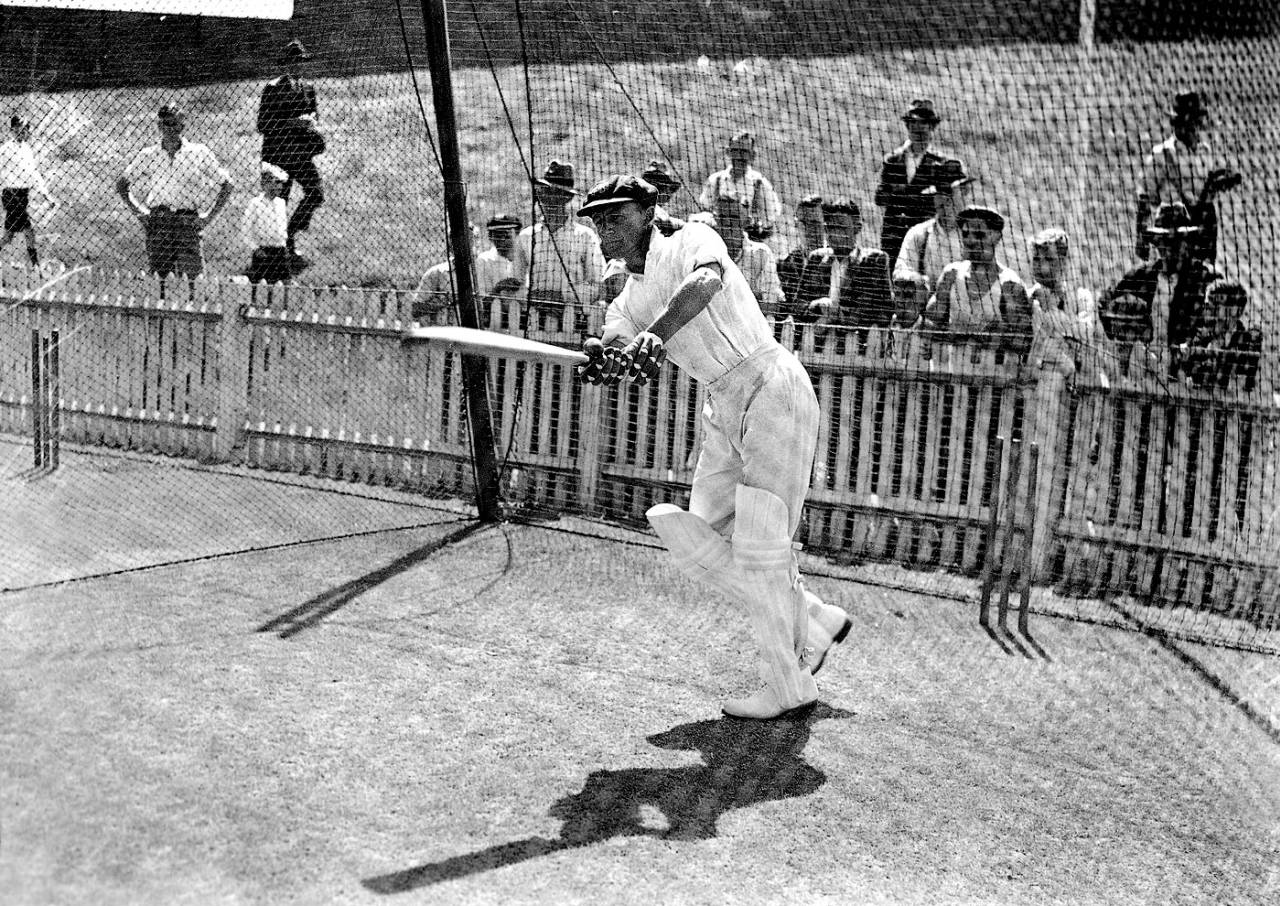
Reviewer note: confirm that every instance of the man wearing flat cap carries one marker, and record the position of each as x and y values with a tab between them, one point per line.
496	266
1185	168
559	257
905	174
287	117
685	298
978	299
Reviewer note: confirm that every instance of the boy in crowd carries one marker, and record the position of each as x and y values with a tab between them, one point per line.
264	229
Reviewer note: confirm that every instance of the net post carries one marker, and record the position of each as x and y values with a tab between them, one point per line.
1011	524
1029	549
475	369
233	372
54	367
37	400
993	520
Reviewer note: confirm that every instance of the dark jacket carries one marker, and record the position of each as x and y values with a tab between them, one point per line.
866	291
904	205
286	139
804	276
1125	309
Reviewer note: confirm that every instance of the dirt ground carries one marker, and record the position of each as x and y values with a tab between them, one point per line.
525	714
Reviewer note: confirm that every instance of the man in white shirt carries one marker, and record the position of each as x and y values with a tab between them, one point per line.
180	176
558	257
748	185
18	176
685	297
496	266
932	245
1185	169
264	229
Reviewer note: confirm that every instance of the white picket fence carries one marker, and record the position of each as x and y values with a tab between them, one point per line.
1144	487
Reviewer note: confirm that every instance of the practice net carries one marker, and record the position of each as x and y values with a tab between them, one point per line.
176	385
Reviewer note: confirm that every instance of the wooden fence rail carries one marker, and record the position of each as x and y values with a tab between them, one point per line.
1146	486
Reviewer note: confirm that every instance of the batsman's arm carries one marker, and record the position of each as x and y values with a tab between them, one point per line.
646	353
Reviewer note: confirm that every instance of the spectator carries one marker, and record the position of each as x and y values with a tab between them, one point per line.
979	298
1184	168
1157	303
932	245
1222	347
805	272
437	286
496	266
287	117
755	259
1063	319
905	175
180	176
859	292
742	181
264	229
658	175
18	176
558	258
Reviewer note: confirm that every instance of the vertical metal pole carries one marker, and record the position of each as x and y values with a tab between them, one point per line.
475	370
54	366
993	520
37	398
1009	563
1028	549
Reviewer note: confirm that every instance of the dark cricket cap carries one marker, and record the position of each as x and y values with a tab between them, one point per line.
947	176
618	190
990	216
17	120
171	111
1188	105
504	221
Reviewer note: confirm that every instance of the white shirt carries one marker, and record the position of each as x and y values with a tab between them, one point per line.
760	266
720	336
187	179
491	268
926	249
18	168
1174	172
1058	330
438	280
265	222
751	189
975	312
567	262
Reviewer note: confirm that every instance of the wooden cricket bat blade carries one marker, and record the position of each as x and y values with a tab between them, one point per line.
470	341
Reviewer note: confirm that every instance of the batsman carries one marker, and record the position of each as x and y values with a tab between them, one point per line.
686	300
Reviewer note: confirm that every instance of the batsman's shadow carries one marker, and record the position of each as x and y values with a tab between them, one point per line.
744	763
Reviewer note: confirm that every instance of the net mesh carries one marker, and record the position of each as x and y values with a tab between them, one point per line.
1116	450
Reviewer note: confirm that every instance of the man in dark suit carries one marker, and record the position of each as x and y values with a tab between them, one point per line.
904	176
287	119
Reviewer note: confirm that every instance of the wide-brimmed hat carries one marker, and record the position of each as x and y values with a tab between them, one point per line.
618	190
558	175
947	176
295	52
990	216
1188	105
1172	219
922	109
659	176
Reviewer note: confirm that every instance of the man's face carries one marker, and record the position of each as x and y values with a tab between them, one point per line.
552	201
919	130
503	239
809	219
739	159
623	229
842	230
170	127
271	186
979	240
1047	264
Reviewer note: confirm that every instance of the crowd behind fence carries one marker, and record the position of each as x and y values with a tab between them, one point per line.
1166	492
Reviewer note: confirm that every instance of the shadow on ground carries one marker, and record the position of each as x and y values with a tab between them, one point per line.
745	763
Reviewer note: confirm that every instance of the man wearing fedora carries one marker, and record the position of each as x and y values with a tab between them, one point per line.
287	117
558	257
905	174
1160	302
659	175
1184	168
